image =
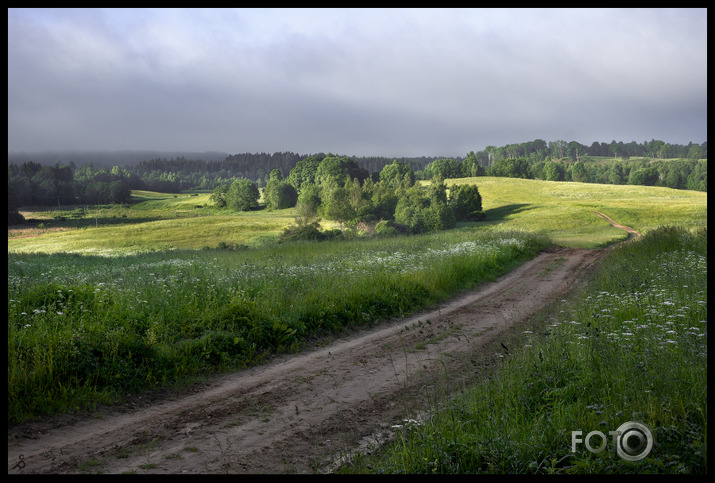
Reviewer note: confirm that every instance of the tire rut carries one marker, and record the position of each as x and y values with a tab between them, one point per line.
298	413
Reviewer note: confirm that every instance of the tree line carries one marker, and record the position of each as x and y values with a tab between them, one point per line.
31	183
688	174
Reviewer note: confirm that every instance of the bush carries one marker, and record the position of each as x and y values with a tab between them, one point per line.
466	202
386	228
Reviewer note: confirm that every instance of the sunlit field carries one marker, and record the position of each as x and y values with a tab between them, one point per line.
563	211
560	210
157	222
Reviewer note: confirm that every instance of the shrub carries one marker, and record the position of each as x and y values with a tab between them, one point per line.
466	202
386	228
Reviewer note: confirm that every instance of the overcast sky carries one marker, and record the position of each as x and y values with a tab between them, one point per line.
354	82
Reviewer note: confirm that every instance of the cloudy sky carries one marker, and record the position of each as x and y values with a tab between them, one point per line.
355	82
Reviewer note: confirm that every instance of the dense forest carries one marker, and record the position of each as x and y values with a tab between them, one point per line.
80	181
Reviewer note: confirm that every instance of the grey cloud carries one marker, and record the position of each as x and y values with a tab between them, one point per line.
358	82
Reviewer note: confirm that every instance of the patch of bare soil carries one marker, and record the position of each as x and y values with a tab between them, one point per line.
300	413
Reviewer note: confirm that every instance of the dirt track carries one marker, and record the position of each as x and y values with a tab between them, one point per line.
301	413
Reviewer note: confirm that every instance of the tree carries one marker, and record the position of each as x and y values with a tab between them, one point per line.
471	167
579	173
446	168
332	169
511	168
279	194
553	171
242	195
422	210
644	176
304	172
395	173
218	197
615	174
119	191
695	153
13	215
308	201
466	202
275	175
336	204
411	209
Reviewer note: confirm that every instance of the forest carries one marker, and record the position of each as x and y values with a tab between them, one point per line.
654	163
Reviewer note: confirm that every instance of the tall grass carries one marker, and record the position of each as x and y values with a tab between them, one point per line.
88	329
633	347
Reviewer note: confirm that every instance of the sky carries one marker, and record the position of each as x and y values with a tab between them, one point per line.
363	82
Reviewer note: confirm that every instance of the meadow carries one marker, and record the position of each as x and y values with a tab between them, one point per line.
113	300
632	347
84	329
562	211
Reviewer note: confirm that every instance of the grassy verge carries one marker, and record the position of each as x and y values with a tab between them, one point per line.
632	347
87	329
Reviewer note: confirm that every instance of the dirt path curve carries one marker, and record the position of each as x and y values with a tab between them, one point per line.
631	231
299	413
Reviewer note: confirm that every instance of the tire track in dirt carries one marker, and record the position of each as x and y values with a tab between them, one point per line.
631	232
300	412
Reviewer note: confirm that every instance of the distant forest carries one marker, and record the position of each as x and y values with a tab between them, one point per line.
85	178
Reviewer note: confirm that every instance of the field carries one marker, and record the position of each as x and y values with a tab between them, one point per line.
108	301
562	211
157	222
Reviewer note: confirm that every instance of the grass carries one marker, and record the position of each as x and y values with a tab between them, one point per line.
87	329
563	211
632	347
154	311
158	222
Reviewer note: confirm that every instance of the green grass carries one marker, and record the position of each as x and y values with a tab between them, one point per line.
155	311
632	347
88	329
157	222
563	211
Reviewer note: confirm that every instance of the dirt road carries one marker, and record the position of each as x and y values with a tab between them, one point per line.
299	413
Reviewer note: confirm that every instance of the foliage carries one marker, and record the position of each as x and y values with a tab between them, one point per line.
466	202
308	201
279	194
444	168
304	172
423	210
397	175
242	195
218	197
37	184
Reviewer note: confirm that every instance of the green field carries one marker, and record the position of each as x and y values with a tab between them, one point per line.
156	222
84	329
111	300
562	211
